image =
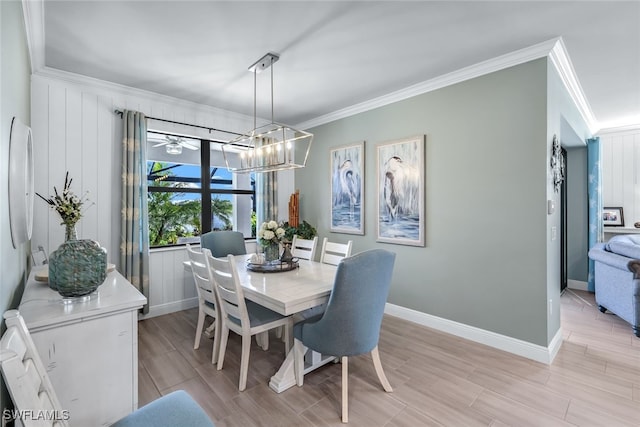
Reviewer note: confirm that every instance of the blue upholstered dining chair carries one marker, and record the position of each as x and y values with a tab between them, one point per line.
350	325
31	390
241	316
223	243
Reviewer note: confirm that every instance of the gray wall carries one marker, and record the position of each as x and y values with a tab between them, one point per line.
15	92
485	260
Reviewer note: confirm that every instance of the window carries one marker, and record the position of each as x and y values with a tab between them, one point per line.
180	206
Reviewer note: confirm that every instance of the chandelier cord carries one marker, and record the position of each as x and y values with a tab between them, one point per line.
271	90
254	98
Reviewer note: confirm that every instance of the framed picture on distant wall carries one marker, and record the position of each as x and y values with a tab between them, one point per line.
401	194
613	217
347	189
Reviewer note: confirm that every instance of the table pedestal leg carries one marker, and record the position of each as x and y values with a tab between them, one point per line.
286	378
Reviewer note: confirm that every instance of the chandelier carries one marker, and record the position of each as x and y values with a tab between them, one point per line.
271	147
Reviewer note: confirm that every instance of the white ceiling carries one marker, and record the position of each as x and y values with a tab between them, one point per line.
336	54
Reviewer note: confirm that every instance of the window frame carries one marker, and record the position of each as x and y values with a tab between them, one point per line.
205	191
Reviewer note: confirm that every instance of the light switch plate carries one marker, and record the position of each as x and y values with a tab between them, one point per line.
551	206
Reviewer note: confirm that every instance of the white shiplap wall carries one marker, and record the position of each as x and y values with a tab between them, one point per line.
75	129
621	172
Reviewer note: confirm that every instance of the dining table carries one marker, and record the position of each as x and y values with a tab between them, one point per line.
289	293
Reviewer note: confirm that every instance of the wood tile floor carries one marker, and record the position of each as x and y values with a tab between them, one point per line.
438	379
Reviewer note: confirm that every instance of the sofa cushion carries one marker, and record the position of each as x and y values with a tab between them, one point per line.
626	245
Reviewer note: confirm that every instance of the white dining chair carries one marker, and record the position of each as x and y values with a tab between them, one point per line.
304	248
207	301
241	316
332	253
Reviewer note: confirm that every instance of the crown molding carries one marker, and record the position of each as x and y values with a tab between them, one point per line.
55	74
560	60
630	129
33	11
554	49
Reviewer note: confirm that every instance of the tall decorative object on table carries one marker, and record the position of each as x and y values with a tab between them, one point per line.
270	236
77	267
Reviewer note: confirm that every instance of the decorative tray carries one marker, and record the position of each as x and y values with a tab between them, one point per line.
272	267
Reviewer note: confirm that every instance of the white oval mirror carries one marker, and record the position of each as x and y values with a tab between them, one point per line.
21	189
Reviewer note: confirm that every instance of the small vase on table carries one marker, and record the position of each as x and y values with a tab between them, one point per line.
272	252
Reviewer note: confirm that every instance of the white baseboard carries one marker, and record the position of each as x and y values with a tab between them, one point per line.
578	285
172	307
492	339
501	342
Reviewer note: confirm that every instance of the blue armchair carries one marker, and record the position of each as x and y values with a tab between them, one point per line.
350	325
223	243
617	278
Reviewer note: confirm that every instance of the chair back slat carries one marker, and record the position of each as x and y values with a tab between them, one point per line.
232	310
200	270
45	401
229	299
304	248
31	375
24	374
225	276
333	253
12	340
205	289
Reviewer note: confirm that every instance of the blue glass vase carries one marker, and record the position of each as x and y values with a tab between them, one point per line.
77	268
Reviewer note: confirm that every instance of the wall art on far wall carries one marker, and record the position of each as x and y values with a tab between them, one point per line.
401	177
613	217
347	189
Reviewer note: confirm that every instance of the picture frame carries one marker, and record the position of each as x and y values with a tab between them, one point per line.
347	165
400	176
613	217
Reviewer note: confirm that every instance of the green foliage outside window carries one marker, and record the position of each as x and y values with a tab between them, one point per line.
172	217
169	220
254	221
222	209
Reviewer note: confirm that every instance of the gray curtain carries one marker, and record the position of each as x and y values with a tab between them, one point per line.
134	234
266	197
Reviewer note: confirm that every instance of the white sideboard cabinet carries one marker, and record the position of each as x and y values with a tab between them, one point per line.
89	347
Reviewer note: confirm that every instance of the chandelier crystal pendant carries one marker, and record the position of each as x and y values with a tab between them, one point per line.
271	147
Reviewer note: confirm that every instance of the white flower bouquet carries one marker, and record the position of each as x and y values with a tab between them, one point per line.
270	233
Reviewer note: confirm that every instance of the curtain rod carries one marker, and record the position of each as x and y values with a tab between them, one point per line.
210	129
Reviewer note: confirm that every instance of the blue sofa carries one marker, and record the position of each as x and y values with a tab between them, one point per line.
617	277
